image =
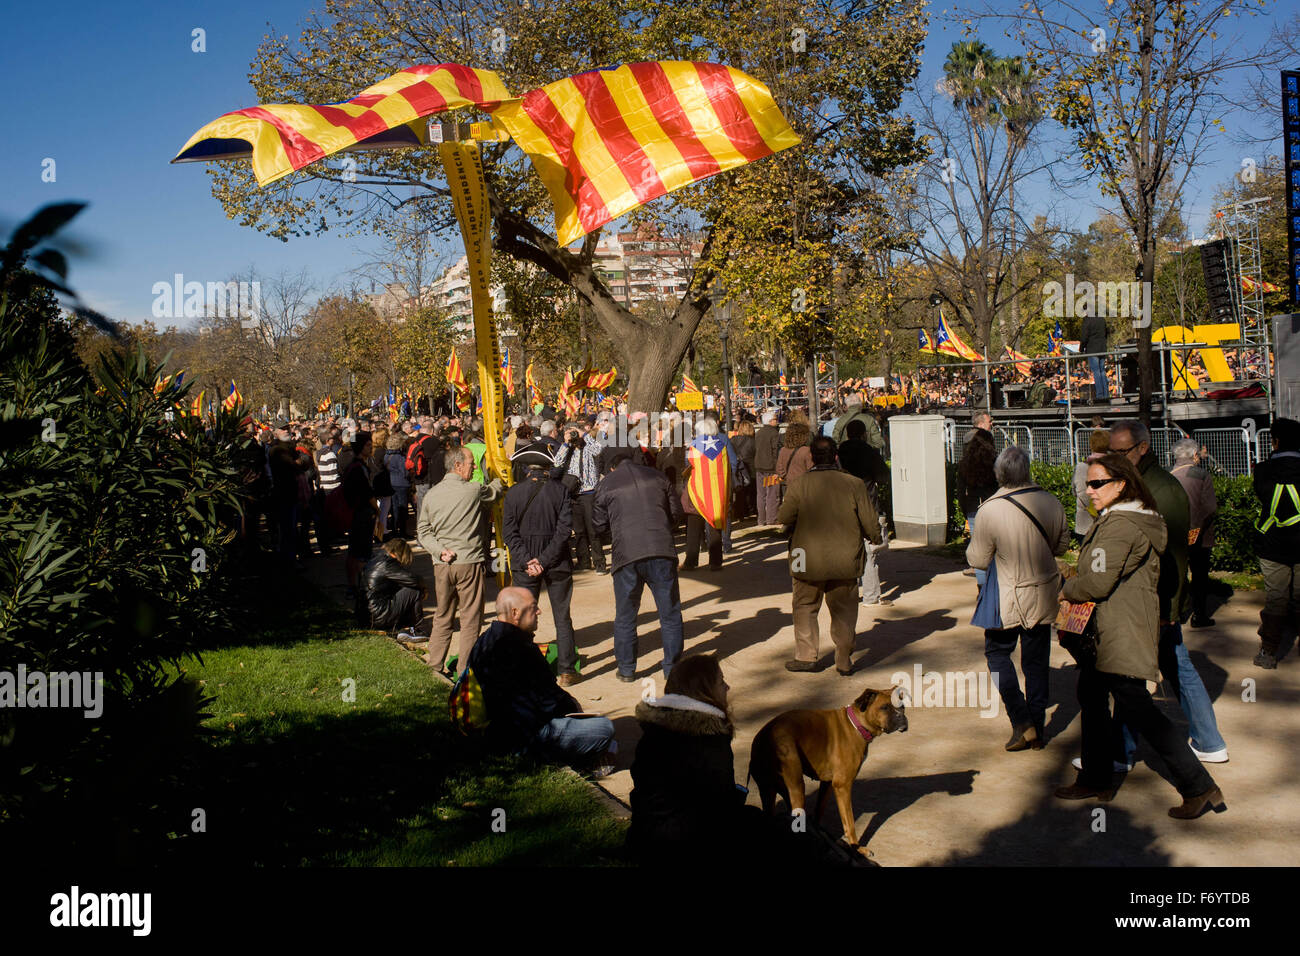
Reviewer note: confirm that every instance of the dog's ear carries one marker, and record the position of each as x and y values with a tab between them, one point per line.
865	698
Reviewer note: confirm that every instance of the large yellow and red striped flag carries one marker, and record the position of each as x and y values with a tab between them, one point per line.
709	484
454	374
283	138
688	384
607	141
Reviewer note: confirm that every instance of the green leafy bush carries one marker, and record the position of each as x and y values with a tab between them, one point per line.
1234	525
116	523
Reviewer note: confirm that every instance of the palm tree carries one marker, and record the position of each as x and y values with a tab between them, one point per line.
1011	84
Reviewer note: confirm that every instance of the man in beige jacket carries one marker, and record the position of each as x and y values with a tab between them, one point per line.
450	528
831	515
1022	528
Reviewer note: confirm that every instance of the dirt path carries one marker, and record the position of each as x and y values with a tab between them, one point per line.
946	792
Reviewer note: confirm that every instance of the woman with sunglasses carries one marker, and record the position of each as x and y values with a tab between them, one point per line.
1119	566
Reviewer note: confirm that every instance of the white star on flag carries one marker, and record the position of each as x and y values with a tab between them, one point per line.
710	443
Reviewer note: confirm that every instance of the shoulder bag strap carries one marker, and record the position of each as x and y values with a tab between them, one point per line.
1030	515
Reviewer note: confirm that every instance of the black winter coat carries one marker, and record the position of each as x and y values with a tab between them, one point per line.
384	577
975	478
633	504
541	529
685	801
519	689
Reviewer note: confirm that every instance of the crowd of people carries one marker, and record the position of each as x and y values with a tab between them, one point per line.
608	492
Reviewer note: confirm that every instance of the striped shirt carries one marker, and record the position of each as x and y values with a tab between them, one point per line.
327	465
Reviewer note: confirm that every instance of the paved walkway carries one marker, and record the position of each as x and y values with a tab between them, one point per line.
946	792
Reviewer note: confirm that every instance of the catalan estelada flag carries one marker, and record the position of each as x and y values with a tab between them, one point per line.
325	404
783	383
196	406
948	342
281	139
231	401
688	385
923	342
607	141
507	373
709	484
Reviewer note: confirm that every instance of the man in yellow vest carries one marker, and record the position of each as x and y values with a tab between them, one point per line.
1277	538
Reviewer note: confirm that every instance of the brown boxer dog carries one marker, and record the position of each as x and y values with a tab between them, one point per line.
827	745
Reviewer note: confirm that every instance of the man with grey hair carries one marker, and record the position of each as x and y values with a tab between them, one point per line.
767	446
1203	506
1132	438
856	410
1020	531
450	529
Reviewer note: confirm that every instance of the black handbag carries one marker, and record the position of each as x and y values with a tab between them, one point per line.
1081	646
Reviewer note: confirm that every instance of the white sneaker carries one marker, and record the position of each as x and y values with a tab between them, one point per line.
1217	756
1077	764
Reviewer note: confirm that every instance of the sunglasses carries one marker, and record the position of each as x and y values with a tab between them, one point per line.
1098	483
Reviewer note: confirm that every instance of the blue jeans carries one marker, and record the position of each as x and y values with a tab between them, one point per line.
661	575
569	737
1192	696
1101	388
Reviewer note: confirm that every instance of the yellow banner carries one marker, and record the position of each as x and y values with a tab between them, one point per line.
469	195
690	401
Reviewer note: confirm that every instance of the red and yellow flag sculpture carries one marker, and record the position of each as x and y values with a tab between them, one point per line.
608	141
284	138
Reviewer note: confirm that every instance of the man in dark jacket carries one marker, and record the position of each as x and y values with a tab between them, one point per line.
1093	339
1277	538
1132	438
862	460
634	505
525	706
975	478
767	445
537	519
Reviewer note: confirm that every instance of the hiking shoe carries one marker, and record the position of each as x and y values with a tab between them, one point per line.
412	637
567	680
1266	660
801	666
627	678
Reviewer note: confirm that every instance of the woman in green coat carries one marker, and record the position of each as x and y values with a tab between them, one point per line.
1119	566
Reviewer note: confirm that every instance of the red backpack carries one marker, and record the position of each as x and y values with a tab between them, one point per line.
417	462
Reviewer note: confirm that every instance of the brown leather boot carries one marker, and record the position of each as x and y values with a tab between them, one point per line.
1077	791
1193	807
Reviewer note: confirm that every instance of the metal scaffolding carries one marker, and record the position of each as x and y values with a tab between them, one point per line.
1241	226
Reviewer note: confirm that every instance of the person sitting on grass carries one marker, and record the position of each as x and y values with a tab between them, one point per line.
526	708
396	594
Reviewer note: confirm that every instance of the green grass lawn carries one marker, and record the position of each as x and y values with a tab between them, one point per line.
295	774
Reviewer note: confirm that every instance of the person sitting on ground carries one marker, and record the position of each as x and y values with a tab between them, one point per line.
685	800
395	593
526	708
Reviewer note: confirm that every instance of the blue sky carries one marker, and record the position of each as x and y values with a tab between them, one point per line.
110	92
